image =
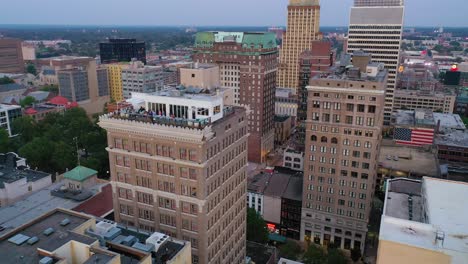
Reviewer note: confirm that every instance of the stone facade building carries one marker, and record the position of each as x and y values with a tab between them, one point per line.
248	64
343	134
179	167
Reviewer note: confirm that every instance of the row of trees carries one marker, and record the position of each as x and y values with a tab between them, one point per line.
50	145
257	231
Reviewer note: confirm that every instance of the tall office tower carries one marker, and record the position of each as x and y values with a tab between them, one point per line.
11	56
119	50
248	64
343	135
141	79
115	80
179	167
303	28
376	27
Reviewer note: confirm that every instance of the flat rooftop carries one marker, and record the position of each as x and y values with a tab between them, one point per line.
415	160
294	189
25	253
34	206
449	121
454	138
10	172
419	117
445	227
11	87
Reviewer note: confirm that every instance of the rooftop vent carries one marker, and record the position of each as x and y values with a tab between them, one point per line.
49	231
33	240
19	239
65	222
46	260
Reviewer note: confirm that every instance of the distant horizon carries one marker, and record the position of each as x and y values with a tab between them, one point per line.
418	13
195	26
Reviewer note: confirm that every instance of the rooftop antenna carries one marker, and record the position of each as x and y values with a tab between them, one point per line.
77	151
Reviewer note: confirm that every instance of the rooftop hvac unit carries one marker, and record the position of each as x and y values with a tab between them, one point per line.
157	240
103	227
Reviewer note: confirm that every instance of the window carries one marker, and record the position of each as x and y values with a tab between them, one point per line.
350	107
371	109
361	108
334	141
349	120
324	140
313	138
145	198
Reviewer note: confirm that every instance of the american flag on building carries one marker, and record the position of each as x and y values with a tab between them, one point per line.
414	136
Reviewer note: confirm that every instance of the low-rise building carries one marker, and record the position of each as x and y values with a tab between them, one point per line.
413	128
62	236
17	180
286	103
80	178
277	196
293	159
436	101
453	146
282	129
403	161
424	222
11	92
8	113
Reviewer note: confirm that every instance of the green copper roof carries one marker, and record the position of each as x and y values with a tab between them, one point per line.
80	174
256	40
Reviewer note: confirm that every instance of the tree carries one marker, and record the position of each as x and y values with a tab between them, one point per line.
4	141
355	254
31	69
438	48
27	101
257	230
6	80
25	127
335	256
64	157
466	51
314	255
50	88
454	43
37	153
459	59
290	250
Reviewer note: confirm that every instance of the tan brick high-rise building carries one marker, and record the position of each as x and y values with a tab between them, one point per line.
343	134
248	63
179	168
303	28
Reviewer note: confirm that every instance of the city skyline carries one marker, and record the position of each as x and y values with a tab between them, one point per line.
178	13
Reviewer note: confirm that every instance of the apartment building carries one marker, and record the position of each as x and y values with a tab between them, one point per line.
248	65
11	56
343	134
122	50
138	78
8	113
178	165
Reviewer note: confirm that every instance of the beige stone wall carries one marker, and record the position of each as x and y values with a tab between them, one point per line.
391	253
207	78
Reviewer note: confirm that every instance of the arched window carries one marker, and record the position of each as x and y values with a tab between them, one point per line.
313	138
324	140
334	141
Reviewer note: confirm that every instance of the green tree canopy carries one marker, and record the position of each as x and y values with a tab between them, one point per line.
25	127
335	256
355	254
314	255
257	230
31	69
38	152
291	250
4	140
6	80
27	101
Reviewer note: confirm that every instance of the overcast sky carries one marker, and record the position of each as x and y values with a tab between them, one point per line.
209	12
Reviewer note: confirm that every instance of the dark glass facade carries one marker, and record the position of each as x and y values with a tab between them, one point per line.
120	50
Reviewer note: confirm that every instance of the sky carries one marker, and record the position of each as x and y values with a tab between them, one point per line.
209	12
